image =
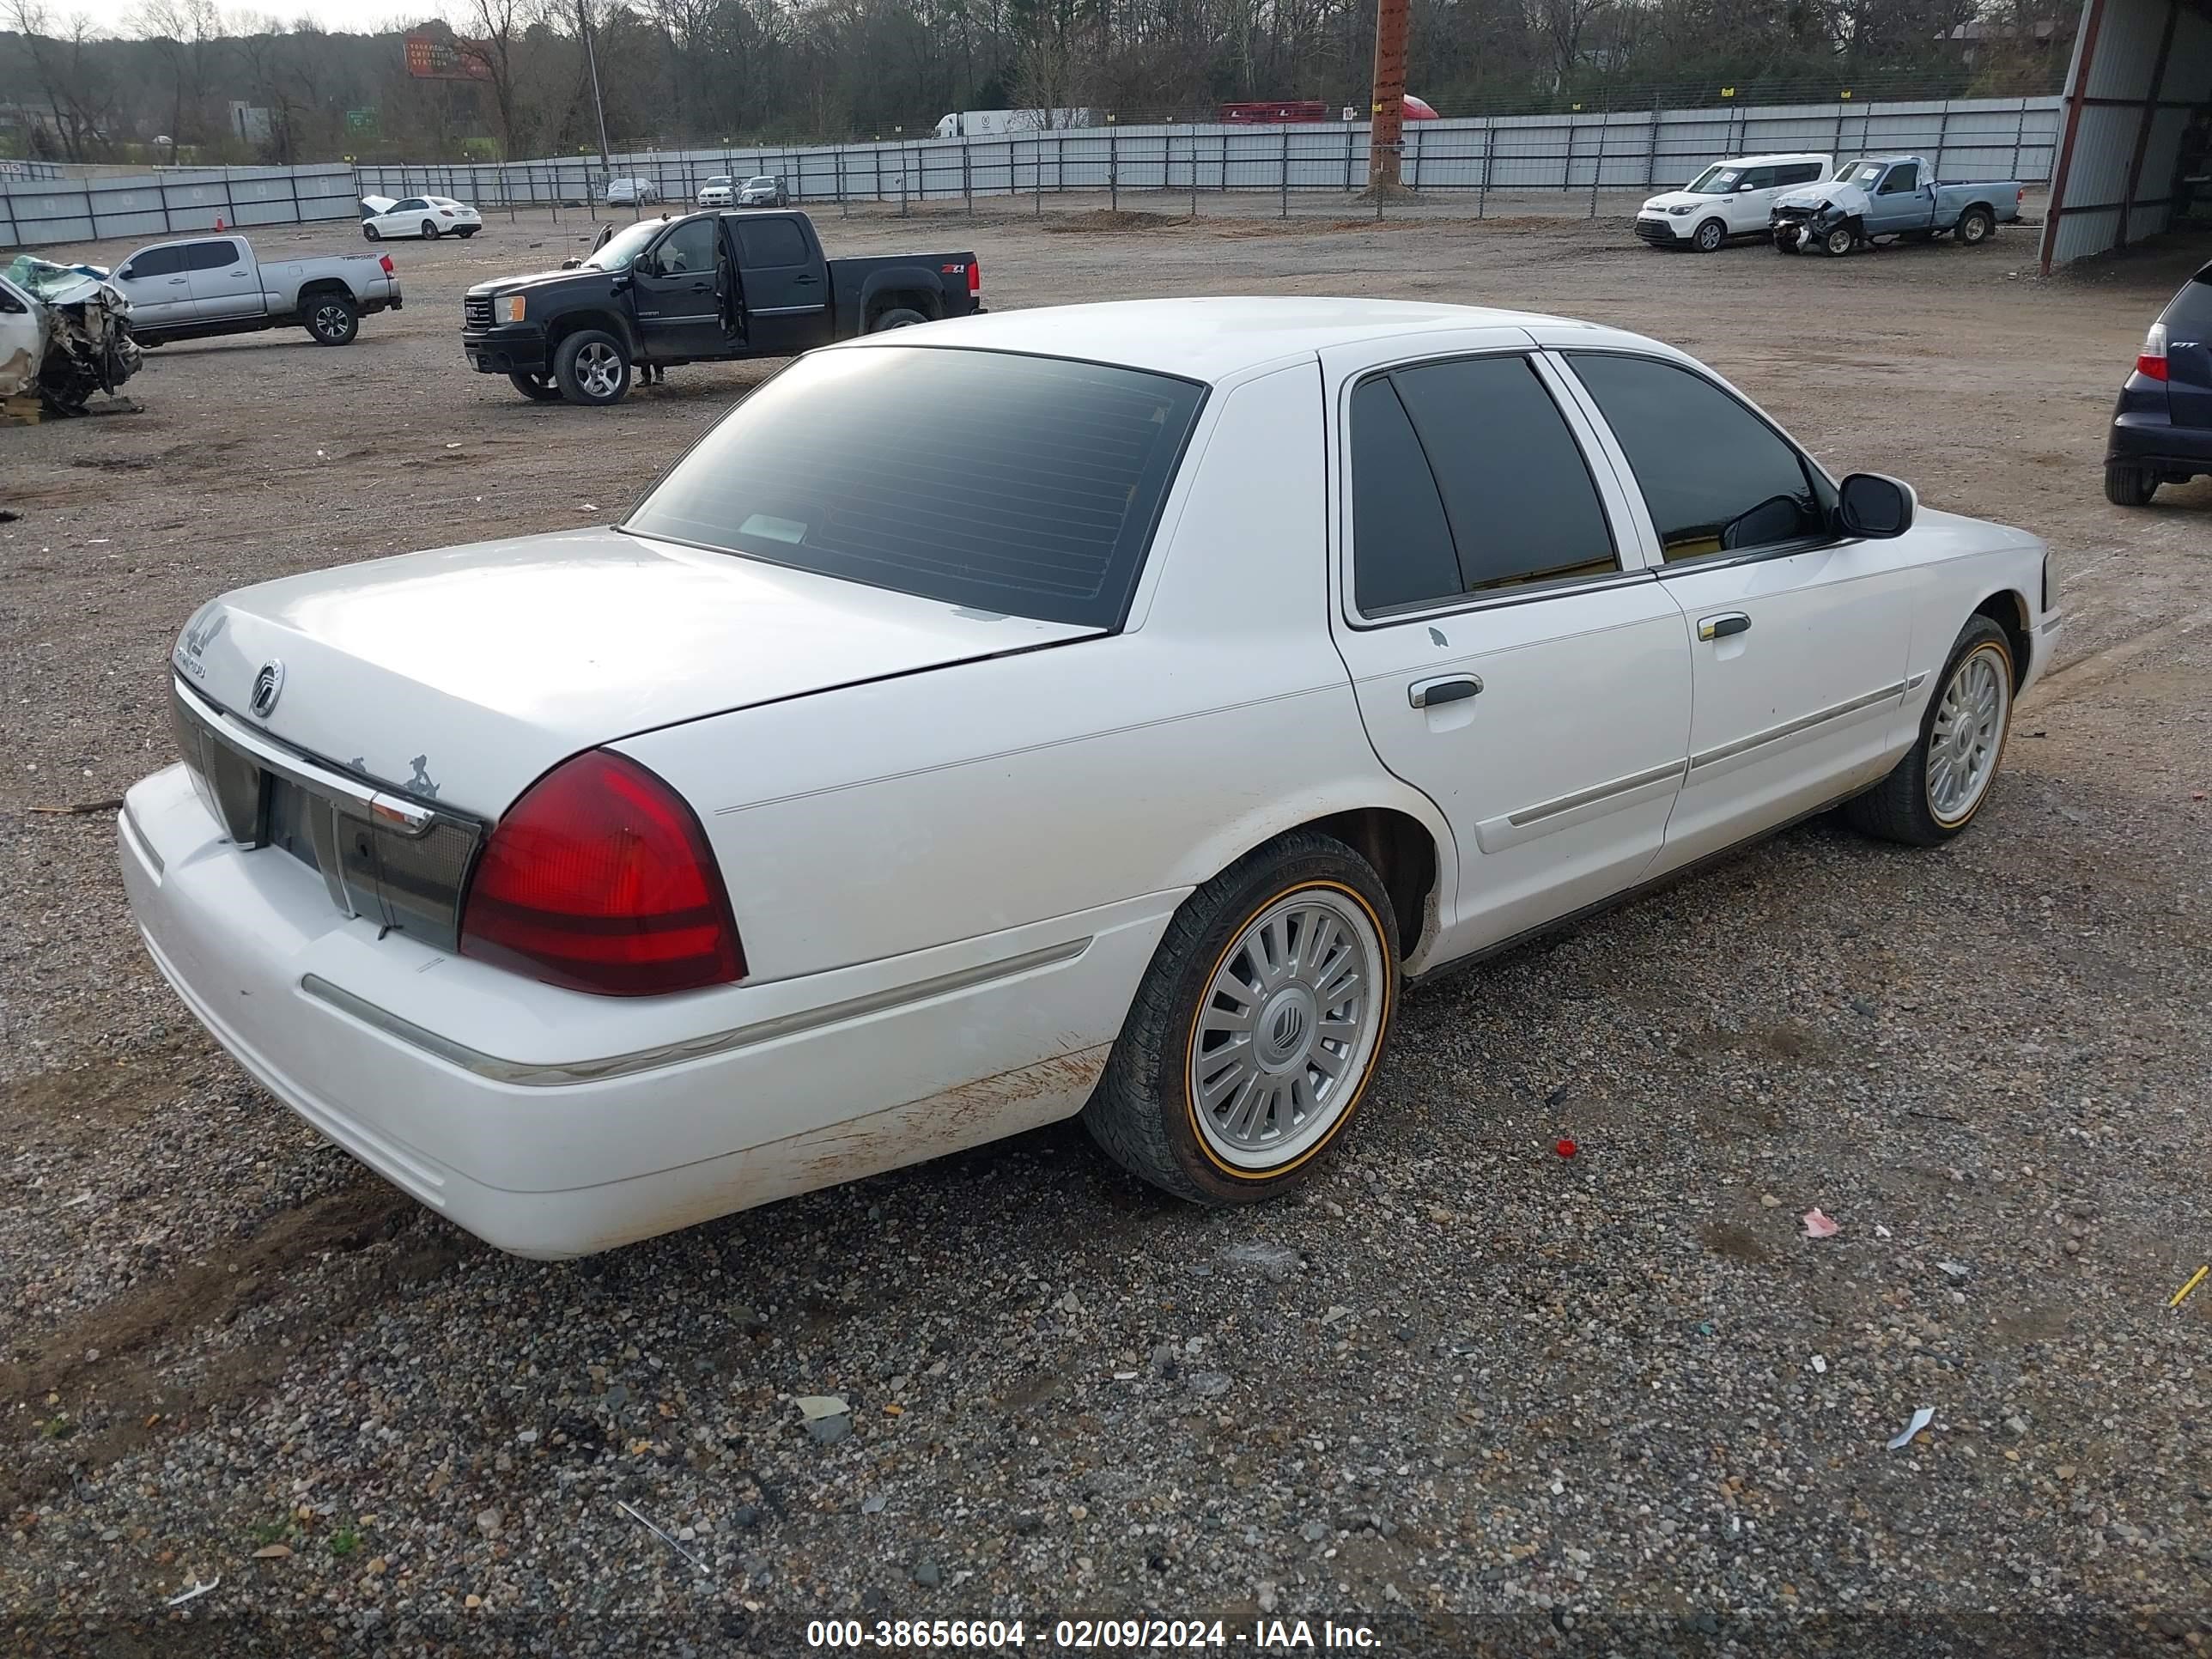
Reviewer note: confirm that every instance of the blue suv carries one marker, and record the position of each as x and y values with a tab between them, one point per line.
2162	425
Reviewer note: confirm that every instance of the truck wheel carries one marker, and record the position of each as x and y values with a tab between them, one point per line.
592	368
2129	486
899	317
538	388
429	230
1839	241
1976	225
1708	236
332	321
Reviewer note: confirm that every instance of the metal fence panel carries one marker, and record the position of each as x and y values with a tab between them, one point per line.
40	212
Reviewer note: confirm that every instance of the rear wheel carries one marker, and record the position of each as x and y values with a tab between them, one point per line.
1709	236
538	388
332	321
1934	791
2129	486
592	368
429	230
900	317
1976	225
1258	1027
465	231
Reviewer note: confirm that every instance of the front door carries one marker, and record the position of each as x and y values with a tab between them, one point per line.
22	341
225	280
787	287
1903	201
1747	204
159	292
1512	657
1798	640
678	285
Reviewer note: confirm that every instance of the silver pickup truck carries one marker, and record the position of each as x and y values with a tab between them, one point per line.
1889	195
206	285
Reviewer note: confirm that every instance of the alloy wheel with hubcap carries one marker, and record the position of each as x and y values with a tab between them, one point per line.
332	322
429	230
1968	735
1839	241
1975	226
1286	1028
1710	234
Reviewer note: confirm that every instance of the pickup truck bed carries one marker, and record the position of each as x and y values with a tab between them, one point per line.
711	286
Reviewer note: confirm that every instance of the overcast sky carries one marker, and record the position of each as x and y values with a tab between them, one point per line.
362	17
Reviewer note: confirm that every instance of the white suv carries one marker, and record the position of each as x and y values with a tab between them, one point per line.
1728	198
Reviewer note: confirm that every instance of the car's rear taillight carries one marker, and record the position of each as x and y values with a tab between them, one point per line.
2151	360
384	260
975	279
600	880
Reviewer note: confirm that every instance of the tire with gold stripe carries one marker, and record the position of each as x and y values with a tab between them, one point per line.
1258	1028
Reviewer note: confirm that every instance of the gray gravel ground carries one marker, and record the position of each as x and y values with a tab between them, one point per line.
1466	1393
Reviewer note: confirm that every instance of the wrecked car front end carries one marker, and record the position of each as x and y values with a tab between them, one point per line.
1817	217
69	338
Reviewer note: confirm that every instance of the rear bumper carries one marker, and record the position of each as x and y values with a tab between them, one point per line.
2144	439
512	348
553	1124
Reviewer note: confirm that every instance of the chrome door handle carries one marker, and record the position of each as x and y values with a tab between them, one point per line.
1720	627
1457	687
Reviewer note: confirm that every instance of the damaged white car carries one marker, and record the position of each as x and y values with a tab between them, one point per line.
64	334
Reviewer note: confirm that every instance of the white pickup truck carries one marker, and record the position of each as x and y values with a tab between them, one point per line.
206	285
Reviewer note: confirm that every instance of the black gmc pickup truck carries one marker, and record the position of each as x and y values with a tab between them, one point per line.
698	288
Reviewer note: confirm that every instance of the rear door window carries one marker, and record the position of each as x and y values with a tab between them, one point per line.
211	256
1466	478
766	243
2193	306
1028	486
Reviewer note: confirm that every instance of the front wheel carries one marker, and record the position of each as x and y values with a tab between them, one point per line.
1933	792
1839	241
371	233
332	320
1977	226
538	388
1709	236
592	368
2129	486
1258	1027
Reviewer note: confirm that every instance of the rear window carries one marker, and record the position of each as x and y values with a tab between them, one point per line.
2193	306
1025	485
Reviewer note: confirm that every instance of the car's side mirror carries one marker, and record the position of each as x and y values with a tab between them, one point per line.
1876	506
571	263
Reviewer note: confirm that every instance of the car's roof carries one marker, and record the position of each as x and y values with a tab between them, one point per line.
1776	155
1214	339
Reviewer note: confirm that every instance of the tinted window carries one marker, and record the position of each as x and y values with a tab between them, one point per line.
1027	485
771	242
157	262
412	204
211	256
1903	177
1517	495
1402	551
689	248
1804	173
2193	306
1758	179
1715	476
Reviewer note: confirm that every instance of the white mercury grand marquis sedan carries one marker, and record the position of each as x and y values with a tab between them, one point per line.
1102	709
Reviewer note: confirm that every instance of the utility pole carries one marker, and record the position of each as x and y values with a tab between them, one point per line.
592	57
1386	136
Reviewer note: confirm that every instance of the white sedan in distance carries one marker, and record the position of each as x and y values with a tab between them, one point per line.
717	191
1221	666
426	216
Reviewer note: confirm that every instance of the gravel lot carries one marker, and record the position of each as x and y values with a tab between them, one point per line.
1468	1393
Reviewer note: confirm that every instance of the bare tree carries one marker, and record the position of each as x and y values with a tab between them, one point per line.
499	26
184	32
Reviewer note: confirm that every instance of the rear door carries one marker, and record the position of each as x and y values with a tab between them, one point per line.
2188	352
224	281
1512	657
785	284
159	292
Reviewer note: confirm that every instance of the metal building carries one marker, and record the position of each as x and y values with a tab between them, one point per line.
2135	146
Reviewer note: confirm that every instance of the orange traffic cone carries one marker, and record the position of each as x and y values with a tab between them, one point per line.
218	222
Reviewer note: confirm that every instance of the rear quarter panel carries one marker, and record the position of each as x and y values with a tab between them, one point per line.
910	813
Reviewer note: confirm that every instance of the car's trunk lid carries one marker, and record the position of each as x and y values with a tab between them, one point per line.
459	675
